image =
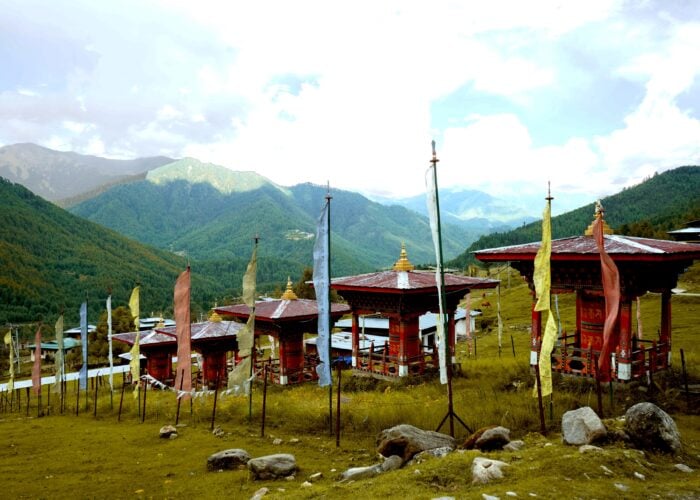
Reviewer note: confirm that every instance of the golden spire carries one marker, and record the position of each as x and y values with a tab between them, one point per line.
214	317
403	264
599	213
289	293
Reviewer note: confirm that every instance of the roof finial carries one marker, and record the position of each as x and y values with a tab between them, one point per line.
598	214
289	293
403	264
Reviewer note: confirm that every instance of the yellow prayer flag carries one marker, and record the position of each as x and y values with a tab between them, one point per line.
134	306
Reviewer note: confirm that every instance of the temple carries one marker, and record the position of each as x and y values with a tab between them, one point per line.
286	320
402	295
644	265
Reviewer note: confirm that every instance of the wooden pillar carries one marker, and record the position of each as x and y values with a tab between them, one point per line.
536	333
624	361
404	342
665	333
283	359
355	340
579	312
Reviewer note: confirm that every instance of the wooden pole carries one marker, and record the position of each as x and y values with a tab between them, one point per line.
264	401
48	399
121	399
145	391
685	379
337	411
599	391
512	343
543	428
216	394
474	346
77	396
27	401
94	411
179	399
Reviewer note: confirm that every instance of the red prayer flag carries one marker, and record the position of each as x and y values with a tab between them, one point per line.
183	376
36	368
611	290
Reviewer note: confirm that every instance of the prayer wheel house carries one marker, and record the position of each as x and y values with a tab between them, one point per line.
286	320
403	295
644	265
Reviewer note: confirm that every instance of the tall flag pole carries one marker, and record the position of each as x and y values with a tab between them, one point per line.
109	343
322	279
183	376
445	357
8	342
84	345
542	278
59	368
611	290
135	363
36	367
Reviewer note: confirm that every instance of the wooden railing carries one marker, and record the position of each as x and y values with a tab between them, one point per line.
380	362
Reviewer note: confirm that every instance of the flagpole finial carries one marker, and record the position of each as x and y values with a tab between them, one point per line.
434	159
328	191
549	191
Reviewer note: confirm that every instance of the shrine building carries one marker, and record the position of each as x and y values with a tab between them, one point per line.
644	265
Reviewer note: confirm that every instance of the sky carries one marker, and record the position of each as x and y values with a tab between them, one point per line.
589	96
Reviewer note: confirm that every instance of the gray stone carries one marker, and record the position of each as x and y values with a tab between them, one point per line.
651	428
406	440
234	458
392	463
581	426
486	469
516	445
588	448
354	473
316	477
683	468
306	484
489	497
260	493
167	430
434	453
493	439
273	466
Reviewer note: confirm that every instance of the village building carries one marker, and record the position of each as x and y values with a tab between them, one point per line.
286	320
644	265
402	295
689	233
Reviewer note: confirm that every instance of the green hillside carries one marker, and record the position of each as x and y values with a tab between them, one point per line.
660	203
51	259
210	213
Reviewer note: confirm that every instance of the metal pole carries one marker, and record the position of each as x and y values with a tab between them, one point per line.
264	404
328	317
337	411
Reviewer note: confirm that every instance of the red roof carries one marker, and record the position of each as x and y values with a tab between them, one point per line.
282	309
167	334
146	338
620	248
408	282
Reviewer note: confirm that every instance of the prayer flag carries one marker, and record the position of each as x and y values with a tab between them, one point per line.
58	366
36	368
8	342
431	198
245	336
183	376
135	363
321	280
83	376
109	342
611	290
542	278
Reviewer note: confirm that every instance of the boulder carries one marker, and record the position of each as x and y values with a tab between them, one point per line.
354	473
651	428
167	431
485	469
232	459
392	463
516	445
272	466
434	453
406	440
493	439
581	426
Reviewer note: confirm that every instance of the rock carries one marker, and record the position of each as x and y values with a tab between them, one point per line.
435	452
173	435
277	441
392	463
295	440
493	439
651	428
639	476
485	469
273	466
606	470
354	473
489	497
234	458
167	430
511	494
683	468
621	487
406	440
316	477
260	493
516	445
306	484
588	448
581	426
218	431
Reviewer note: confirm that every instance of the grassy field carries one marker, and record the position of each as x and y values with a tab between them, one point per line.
68	456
